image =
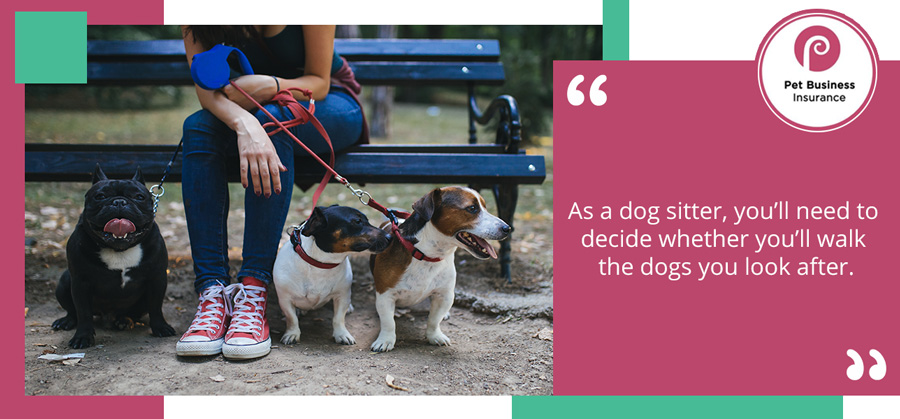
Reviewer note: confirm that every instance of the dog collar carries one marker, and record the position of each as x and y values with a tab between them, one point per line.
416	253
295	240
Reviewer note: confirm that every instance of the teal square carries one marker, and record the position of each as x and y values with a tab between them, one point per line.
51	47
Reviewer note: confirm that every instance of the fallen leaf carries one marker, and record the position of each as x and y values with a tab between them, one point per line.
251	381
71	361
39	344
545	334
26	311
389	379
219	378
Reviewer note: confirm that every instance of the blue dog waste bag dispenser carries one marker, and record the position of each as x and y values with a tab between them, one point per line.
210	69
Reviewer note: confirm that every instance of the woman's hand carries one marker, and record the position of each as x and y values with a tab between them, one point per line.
259	161
261	87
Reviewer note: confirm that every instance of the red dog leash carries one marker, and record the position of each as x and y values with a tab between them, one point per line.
395	230
303	115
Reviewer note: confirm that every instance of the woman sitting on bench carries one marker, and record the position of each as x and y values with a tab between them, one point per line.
228	129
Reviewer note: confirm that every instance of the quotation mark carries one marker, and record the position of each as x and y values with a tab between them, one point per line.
576	98
856	371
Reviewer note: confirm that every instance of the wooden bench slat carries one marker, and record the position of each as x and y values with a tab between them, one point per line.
352	49
364	148
418	49
434	168
403	73
367	72
65	166
429	148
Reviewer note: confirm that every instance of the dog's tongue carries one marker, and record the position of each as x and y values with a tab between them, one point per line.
483	243
119	227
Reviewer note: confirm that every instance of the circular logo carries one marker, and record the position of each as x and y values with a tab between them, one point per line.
817	70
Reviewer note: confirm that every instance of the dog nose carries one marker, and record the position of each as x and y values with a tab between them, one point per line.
119	202
506	229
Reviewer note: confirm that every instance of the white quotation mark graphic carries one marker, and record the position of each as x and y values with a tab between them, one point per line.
856	371
879	370
576	98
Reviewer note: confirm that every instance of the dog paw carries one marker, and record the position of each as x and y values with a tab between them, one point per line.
447	316
344	338
383	345
290	337
350	308
124	323
162	330
82	340
439	339
65	323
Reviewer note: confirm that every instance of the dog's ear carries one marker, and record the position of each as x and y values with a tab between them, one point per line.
138	176
315	223
98	174
425	206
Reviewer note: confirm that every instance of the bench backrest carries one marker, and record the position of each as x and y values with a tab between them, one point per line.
374	61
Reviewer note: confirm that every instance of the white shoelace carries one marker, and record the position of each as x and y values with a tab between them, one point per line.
209	319
246	317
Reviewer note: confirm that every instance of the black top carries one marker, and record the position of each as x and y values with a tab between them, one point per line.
284	55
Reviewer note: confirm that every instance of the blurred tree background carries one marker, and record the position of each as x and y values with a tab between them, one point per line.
527	53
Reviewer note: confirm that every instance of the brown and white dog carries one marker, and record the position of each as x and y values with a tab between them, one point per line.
443	220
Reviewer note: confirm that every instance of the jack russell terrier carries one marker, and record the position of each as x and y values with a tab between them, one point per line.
419	261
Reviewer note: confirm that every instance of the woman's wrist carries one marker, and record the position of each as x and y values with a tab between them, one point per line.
241	123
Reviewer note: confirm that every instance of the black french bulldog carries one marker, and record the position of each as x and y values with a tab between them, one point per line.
117	261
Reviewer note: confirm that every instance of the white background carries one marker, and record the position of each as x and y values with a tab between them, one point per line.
727	30
385	12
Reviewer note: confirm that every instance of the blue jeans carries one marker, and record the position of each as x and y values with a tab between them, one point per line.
208	145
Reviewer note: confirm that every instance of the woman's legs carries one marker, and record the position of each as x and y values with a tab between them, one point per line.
207	144
205	192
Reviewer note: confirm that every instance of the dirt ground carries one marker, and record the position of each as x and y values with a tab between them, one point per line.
501	334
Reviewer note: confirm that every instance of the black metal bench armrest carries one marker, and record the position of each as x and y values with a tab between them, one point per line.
509	126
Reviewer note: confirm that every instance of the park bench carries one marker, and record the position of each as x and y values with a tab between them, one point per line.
499	165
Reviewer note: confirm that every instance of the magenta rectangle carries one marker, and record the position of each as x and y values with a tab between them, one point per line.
700	133
17	403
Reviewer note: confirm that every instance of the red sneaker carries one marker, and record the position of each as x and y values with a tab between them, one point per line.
206	333
248	333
